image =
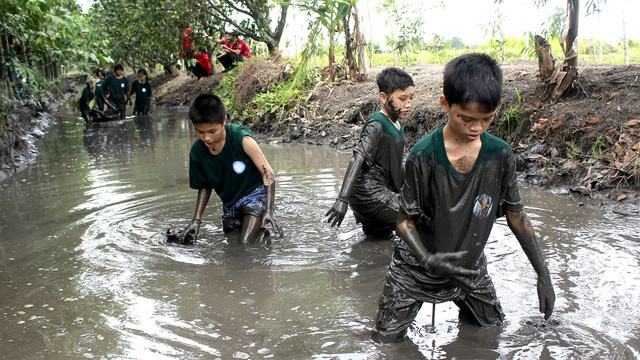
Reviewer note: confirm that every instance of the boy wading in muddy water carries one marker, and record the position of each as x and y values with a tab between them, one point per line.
374	175
458	180
227	159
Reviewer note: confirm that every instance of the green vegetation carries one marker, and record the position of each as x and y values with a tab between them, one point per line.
598	147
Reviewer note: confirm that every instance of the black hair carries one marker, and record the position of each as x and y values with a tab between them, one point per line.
392	79
97	72
473	78
203	50
207	108
117	67
142	71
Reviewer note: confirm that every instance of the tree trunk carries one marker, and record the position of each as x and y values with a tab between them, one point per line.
360	45
332	58
546	63
568	41
625	40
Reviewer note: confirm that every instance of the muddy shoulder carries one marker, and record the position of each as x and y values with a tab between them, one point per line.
587	144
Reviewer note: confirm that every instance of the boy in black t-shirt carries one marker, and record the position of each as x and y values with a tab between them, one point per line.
374	176
142	90
457	181
227	159
116	88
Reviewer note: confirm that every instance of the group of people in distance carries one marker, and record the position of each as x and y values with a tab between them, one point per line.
233	49
442	203
106	97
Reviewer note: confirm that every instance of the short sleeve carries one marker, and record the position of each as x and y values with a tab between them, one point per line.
240	132
369	140
510	199
197	176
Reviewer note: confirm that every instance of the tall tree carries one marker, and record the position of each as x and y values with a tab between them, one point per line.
142	33
250	18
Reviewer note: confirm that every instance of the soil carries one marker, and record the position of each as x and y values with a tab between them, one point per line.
586	144
26	125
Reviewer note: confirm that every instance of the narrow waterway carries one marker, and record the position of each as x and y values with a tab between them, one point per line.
85	271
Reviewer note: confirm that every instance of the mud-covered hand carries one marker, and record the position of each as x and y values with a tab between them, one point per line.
546	295
339	209
269	219
337	212
191	232
445	264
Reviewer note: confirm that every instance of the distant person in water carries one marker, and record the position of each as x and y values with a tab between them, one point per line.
226	158
374	176
234	49
457	181
87	101
98	76
142	90
116	89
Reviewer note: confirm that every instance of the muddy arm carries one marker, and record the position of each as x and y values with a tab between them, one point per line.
256	155
193	229
339	209
523	230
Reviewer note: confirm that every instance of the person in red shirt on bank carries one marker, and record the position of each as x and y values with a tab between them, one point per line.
234	49
188	45
203	67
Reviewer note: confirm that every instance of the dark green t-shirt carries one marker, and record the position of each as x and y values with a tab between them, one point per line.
453	211
86	96
116	87
142	91
382	147
231	173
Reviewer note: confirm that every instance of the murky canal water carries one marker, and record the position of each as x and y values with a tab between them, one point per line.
84	271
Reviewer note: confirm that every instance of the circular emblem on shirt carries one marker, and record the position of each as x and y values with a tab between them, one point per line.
239	167
144	90
121	85
482	205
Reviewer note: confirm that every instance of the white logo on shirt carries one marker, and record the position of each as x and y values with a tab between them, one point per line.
121	85
144	90
239	167
482	205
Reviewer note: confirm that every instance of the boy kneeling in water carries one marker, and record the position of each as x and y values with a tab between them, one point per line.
227	159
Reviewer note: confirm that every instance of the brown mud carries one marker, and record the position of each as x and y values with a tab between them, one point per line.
587	143
25	125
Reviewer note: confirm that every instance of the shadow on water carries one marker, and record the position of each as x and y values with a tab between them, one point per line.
85	271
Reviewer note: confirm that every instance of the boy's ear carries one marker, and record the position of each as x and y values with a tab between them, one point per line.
383	97
444	104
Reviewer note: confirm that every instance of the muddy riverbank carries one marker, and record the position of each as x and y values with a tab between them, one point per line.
25	125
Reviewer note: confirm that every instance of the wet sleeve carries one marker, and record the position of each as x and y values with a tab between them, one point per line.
414	191
197	175
369	142
510	199
241	133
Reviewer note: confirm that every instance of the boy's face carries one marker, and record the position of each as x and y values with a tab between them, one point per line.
211	133
468	121
119	72
142	77
399	103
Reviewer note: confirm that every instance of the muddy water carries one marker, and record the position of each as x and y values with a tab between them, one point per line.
84	271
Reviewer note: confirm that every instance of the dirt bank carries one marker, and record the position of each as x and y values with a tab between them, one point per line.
25	125
587	143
